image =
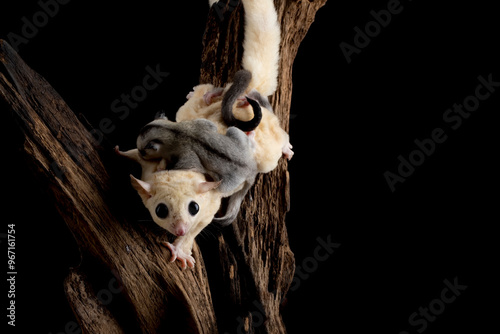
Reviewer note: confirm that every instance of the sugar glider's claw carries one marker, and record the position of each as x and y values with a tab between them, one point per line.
188	261
185	260
172	248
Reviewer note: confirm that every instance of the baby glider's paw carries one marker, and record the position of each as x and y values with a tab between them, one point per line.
185	260
242	102
287	151
212	94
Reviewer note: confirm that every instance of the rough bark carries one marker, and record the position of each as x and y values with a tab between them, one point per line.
62	152
256	264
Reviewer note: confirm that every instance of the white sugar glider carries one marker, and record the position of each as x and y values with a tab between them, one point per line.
260	58
196	145
181	201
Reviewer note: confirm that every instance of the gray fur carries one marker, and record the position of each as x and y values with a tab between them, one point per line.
233	206
262	100
197	145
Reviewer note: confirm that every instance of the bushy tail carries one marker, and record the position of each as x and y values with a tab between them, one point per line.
261	45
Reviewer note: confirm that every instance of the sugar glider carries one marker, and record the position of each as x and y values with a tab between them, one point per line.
260	58
196	145
181	201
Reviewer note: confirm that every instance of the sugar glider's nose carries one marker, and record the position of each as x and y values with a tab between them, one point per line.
180	230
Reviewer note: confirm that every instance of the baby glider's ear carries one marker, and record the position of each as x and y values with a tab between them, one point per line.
203	187
143	188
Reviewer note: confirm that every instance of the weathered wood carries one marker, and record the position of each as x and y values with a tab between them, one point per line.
62	152
256	263
86	305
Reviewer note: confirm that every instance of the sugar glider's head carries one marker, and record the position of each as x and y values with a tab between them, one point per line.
152	136
178	200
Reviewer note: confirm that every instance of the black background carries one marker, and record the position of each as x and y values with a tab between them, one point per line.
349	124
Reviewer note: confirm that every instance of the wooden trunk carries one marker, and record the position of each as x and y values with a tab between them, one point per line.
244	291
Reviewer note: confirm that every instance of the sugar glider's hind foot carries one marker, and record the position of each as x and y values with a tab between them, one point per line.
287	151
185	260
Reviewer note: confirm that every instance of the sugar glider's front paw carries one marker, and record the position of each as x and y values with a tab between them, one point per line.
210	95
287	151
185	260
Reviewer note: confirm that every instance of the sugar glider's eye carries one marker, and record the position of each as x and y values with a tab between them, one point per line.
193	208
161	211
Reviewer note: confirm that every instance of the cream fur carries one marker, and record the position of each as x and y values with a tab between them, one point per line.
176	189
260	57
261	45
270	138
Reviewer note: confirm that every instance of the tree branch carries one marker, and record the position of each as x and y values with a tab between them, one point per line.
62	152
256	261
256	264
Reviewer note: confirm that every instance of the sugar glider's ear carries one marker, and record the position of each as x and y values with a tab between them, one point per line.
143	188
203	187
